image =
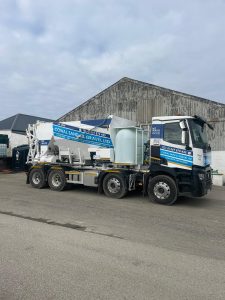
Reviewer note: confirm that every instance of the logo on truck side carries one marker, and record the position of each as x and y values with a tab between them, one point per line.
177	156
82	135
157	131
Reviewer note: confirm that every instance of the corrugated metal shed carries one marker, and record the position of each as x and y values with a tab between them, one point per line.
140	101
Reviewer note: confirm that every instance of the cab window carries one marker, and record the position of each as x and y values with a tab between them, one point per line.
172	133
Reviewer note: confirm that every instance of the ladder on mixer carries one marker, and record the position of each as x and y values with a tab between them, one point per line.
32	142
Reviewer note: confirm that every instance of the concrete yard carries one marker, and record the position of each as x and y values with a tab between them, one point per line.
78	244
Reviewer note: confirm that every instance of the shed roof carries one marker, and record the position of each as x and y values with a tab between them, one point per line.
19	122
146	84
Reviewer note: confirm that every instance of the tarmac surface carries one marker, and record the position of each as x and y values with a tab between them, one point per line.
77	244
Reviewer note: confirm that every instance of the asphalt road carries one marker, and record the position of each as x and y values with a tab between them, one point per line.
77	244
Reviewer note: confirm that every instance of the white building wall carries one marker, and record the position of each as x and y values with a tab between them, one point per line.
218	161
14	140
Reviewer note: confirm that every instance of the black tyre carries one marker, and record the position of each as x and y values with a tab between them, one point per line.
162	189
57	180
114	186
37	178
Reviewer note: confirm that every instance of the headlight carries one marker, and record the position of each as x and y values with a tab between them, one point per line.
201	176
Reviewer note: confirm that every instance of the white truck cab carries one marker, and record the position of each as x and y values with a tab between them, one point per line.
179	147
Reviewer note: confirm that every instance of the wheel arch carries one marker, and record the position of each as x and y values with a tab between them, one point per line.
53	168
106	172
152	174
62	175
115	185
37	169
163	189
45	168
101	178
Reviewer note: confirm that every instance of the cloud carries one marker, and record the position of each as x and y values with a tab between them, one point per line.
56	54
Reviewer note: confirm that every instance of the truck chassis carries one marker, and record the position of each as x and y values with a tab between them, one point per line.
114	182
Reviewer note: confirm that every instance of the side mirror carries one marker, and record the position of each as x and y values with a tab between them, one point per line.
185	137
185	134
183	125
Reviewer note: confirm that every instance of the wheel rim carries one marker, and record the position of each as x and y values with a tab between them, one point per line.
56	180
36	178
162	190
113	185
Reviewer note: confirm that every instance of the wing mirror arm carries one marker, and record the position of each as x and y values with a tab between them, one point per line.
185	134
185	138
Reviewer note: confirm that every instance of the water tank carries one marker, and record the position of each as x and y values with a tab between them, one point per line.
125	146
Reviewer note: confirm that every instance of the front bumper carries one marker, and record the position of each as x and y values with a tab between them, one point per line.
202	181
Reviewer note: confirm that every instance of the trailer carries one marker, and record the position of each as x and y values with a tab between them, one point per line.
167	159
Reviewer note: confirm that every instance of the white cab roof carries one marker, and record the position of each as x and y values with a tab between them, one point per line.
169	118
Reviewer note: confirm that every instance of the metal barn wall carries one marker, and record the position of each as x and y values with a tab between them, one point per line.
141	101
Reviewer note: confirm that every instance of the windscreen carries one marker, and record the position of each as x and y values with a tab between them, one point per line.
198	133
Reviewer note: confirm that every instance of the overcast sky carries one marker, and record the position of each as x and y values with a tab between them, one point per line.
55	54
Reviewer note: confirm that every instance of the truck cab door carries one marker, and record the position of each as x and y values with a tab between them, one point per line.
175	151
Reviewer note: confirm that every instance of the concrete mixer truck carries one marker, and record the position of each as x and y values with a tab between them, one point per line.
171	157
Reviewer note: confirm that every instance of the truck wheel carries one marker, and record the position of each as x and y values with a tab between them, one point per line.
114	186
37	178
57	180
162	189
